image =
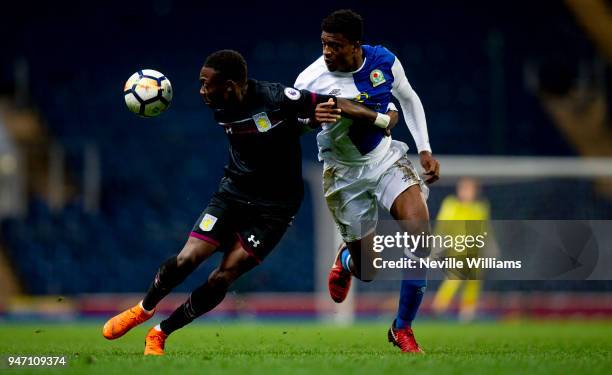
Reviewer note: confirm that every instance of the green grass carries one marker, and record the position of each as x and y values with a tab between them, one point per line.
492	348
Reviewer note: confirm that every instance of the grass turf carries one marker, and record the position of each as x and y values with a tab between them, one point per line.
491	348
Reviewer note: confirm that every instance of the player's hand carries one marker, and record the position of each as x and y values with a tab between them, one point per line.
431	166
327	112
394	115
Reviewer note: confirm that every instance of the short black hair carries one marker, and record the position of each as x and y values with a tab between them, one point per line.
229	64
345	22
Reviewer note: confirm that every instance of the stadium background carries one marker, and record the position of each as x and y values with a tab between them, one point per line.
94	198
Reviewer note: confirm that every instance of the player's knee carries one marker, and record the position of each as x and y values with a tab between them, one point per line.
422	248
186	259
192	255
422	251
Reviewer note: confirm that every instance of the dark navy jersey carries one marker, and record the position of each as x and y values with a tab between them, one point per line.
265	160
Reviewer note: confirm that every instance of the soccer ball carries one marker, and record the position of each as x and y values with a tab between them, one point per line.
147	93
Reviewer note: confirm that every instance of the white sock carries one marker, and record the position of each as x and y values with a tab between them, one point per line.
145	310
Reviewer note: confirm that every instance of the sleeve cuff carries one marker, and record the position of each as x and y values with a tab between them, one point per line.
424	147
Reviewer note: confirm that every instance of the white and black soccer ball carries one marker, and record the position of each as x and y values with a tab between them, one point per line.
147	93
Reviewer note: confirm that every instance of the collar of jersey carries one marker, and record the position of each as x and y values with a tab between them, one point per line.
354	71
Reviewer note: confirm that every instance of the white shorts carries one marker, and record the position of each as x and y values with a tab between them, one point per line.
354	192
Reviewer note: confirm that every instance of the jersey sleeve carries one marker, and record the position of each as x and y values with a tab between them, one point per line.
412	108
301	82
300	103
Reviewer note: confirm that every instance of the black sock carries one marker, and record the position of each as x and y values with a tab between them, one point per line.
201	301
169	276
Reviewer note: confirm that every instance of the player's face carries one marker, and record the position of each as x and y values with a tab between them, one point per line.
338	52
213	89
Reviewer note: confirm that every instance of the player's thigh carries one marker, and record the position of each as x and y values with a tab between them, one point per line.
262	228
355	214
351	201
410	211
236	262
211	230
402	192
410	205
195	251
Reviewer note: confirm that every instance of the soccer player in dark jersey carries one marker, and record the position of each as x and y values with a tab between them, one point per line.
257	198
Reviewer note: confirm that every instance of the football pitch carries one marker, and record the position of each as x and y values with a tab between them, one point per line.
310	348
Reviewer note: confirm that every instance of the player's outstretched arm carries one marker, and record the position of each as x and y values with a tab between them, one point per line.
330	112
414	115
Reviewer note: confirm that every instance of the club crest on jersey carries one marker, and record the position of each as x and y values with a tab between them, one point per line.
377	77
292	93
208	222
262	122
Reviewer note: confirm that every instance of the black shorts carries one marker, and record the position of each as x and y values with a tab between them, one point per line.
257	227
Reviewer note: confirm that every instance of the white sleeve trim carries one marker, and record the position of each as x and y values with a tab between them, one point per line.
412	108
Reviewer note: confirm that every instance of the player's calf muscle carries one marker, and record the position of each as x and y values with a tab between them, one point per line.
222	279
174	270
362	256
226	273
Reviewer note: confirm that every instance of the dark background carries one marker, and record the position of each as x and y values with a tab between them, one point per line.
468	61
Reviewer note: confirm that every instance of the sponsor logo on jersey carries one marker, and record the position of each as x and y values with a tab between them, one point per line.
362	97
335	92
208	222
377	77
262	122
292	93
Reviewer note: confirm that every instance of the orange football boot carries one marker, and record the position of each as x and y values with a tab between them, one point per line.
120	324
155	342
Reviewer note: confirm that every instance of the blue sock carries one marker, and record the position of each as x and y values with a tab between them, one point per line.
345	259
411	295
